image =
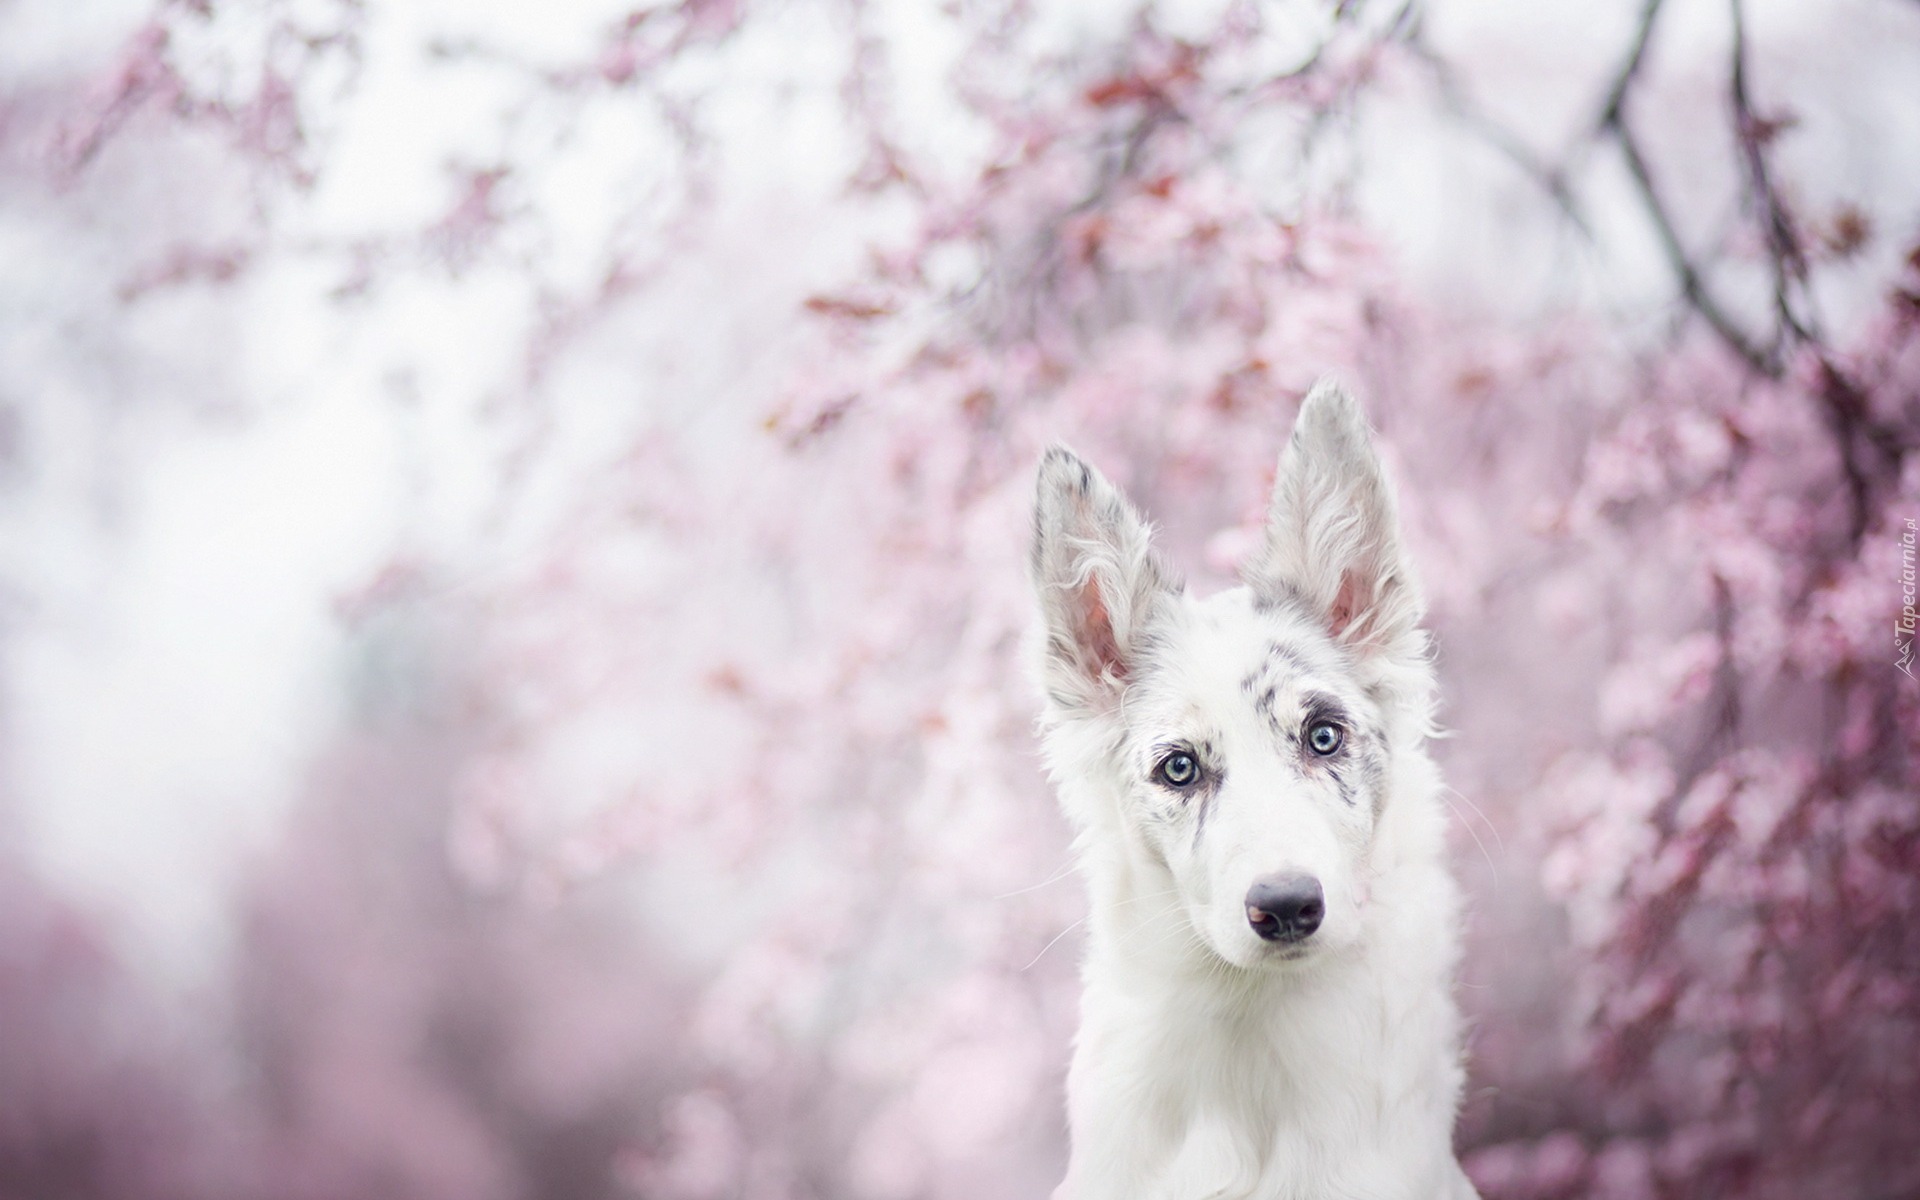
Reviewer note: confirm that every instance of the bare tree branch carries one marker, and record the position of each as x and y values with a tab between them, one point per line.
1630	69
1754	135
1551	177
1693	286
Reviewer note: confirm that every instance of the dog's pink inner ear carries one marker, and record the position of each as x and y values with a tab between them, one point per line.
1354	615
1097	642
1348	604
1099	648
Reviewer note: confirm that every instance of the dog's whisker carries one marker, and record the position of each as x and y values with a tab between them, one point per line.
1448	794
1141	899
1063	873
1056	938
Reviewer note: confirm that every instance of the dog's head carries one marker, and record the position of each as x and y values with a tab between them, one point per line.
1244	742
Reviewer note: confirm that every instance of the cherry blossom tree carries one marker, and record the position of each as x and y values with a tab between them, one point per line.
682	834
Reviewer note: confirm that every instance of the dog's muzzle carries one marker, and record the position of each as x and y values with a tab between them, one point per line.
1286	908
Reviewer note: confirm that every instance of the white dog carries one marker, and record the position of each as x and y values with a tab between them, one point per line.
1268	1011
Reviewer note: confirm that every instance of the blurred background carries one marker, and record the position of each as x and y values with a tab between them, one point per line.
512	530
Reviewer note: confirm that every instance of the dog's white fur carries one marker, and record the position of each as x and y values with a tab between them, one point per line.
1212	1062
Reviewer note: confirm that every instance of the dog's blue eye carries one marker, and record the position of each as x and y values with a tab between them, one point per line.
1325	738
1179	770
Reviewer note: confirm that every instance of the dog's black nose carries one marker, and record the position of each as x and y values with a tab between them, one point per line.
1285	908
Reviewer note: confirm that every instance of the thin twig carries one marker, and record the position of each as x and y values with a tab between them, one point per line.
1610	115
1551	178
1693	286
1753	134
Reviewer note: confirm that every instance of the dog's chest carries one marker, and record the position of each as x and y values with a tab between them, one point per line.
1316	1099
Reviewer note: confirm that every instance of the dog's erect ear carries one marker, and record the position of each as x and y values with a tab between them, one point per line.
1333	535
1098	579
